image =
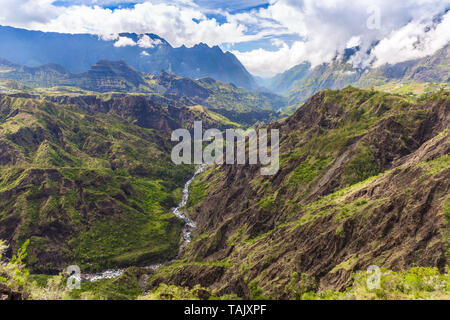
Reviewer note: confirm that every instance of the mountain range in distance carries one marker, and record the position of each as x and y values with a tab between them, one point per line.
146	52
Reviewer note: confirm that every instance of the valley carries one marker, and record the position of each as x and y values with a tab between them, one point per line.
356	167
88	179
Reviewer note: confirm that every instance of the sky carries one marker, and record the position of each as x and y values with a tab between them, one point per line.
268	37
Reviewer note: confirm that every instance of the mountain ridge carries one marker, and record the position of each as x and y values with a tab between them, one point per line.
146	52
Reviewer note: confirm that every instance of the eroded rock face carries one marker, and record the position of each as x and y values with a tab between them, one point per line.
321	221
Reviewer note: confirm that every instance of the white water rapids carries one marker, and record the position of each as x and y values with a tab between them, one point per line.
187	230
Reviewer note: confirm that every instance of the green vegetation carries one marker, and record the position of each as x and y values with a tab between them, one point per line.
437	165
307	171
268	202
166	292
361	167
412	89
197	193
200	111
416	283
299	285
16	277
125	287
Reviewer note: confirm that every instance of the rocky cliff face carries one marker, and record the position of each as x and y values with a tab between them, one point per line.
363	180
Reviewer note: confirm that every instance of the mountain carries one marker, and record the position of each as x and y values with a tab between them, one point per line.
306	81
291	78
104	76
107	76
146	53
302	81
363	180
110	154
236	104
89	178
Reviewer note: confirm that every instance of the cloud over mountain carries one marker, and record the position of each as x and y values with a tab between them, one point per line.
268	37
407	28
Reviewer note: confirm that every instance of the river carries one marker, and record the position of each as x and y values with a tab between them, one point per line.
186	231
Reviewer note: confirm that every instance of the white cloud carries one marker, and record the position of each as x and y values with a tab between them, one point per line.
266	63
277	43
146	42
353	42
21	13
329	27
413	41
124	42
109	36
178	22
